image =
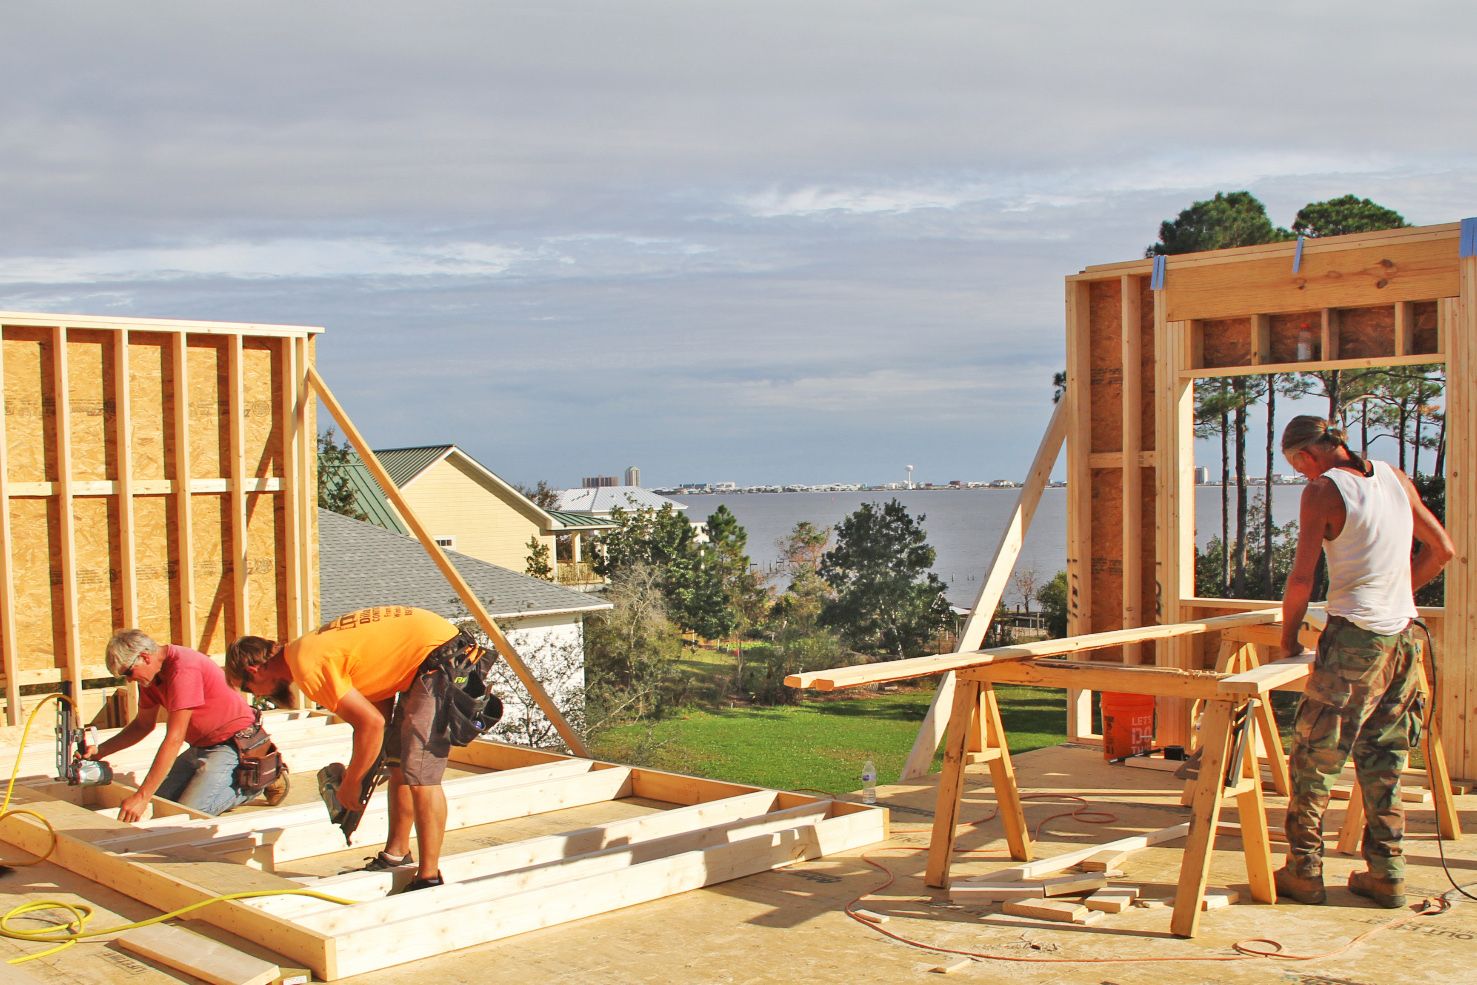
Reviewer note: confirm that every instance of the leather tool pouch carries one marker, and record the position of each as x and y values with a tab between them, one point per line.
260	762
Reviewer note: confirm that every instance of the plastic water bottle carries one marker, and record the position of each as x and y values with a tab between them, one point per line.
869	783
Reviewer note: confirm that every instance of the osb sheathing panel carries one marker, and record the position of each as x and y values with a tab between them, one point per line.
95	520
266	542
151	410
157	567
210	520
37	590
30	406
1106	558
1105	362
91	400
1427	334
1226	341
1148	520
261	434
210	416
1366	332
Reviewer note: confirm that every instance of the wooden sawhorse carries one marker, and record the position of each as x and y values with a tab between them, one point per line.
1228	735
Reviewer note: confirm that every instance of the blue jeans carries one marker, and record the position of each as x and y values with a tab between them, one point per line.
201	779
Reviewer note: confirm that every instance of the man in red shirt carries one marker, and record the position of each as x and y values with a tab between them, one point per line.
202	710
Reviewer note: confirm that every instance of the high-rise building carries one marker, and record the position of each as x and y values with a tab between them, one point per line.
633	476
599	481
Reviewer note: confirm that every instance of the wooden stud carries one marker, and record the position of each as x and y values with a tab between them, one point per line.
1057	863
1131	357
1002	774
1330	335
1261	340
1404	328
123	441
1460	326
1438	778
241	626
1112	899
183	518
294	393
11	666
1361	362
71	660
1251	810
1079	472
307	490
458	583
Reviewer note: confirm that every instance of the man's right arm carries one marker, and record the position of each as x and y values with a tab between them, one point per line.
1436	546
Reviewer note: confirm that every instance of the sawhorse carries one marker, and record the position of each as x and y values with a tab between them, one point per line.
1228	740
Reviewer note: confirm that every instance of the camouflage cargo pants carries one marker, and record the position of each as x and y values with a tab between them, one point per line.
1361	700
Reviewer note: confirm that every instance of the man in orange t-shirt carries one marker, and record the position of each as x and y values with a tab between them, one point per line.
365	666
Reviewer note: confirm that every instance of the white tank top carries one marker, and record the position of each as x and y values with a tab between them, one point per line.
1369	561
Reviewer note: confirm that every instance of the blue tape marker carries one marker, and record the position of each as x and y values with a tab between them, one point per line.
1297	258
1156	283
1469	238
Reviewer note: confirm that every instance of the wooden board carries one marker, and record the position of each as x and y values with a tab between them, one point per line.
206	959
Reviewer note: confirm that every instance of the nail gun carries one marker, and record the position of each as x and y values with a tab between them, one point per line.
71	740
331	778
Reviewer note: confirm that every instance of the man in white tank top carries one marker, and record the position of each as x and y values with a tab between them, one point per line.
1361	698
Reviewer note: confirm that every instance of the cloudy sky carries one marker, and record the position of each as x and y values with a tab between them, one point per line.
746	241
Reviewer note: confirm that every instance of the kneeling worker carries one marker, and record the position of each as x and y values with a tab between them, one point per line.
377	669
230	760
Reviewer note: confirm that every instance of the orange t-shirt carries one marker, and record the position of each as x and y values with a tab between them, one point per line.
374	651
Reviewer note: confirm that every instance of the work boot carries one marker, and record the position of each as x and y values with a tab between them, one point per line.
276	791
1303	889
1389	893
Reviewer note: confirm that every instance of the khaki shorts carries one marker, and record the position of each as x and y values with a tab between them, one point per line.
408	734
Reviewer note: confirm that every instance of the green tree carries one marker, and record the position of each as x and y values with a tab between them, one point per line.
335	488
745	598
631	649
1346	214
1265	576
1053	599
887	600
1229	219
542	495
538	565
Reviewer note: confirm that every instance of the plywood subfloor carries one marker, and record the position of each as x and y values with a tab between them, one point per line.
788	925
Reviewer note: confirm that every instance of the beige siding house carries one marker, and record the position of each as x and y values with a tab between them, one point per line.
470	509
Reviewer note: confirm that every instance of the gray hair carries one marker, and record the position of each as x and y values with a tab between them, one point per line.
125	648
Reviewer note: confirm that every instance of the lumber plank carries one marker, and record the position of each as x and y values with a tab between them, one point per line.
1041	868
897	670
1073	885
1060	911
951	785
616	859
71	660
7	576
995	892
206	959
424	932
1131	477
1104	861
1269	676
465	866
1170	682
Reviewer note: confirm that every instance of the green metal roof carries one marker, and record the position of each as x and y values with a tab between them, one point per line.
579	521
405	464
371	499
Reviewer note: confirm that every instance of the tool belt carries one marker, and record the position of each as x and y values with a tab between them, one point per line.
465	708
260	762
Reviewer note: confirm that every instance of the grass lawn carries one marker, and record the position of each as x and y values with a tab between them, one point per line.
819	745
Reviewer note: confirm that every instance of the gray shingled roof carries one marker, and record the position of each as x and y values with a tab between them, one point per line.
361	565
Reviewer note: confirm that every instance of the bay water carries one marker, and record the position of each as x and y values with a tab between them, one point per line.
963	526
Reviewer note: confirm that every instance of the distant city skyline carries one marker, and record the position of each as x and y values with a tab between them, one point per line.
761	242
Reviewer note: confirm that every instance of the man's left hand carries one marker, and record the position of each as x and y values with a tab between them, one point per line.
133	807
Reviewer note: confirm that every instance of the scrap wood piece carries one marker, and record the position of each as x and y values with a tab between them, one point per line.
949	969
1074	885
1217	898
1104	861
1062	911
870	916
206	959
995	892
1112	899
1059	863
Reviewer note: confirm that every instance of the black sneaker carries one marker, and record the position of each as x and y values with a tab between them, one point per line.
384	861
427	883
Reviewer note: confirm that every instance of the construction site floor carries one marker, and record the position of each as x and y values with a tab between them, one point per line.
789	925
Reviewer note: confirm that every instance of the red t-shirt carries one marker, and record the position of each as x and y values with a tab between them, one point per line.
189	679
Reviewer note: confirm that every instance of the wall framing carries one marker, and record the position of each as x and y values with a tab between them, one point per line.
152	474
1140	333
